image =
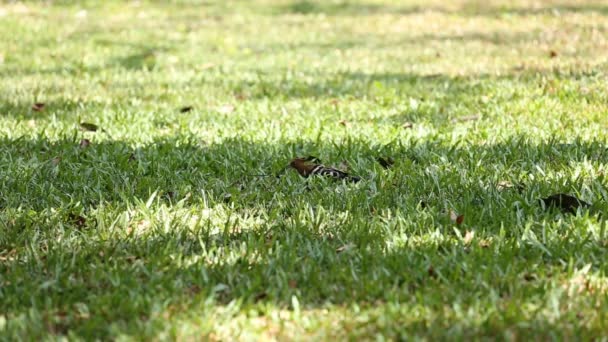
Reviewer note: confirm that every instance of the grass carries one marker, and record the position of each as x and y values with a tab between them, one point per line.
162	228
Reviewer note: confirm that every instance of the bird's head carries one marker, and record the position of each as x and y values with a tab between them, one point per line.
302	165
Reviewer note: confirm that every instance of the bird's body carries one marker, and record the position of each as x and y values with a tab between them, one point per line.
305	168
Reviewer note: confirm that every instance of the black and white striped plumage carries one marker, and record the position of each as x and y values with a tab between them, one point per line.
306	169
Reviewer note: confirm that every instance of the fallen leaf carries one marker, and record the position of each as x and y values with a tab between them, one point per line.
504	185
343	166
484	243
292	283
186	109
260	296
344	123
459	219
88	127
77	220
345	248
465	118
170	195
507	185
38	107
578	284
564	202
468	237
84	143
453	216
131	258
194	289
408	125
225	109
138	228
431	272
552	54
385	162
7	255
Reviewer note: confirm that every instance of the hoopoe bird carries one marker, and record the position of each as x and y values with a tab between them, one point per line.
306	168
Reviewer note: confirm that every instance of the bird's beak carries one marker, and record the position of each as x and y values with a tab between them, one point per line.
282	171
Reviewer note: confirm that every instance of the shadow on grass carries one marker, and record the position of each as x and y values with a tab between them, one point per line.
354	8
274	238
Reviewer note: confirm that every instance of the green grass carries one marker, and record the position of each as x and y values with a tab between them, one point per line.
162	228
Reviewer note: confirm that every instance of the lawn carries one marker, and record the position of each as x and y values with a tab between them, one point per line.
172	218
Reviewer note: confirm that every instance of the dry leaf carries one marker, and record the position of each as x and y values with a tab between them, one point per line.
7	255
88	127
225	109
552	54
38	107
343	166
345	248
460	219
468	237
84	143
431	272
77	220
504	185
343	123
186	109
260	296
465	118
194	289
455	218
292	283
385	162
484	243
